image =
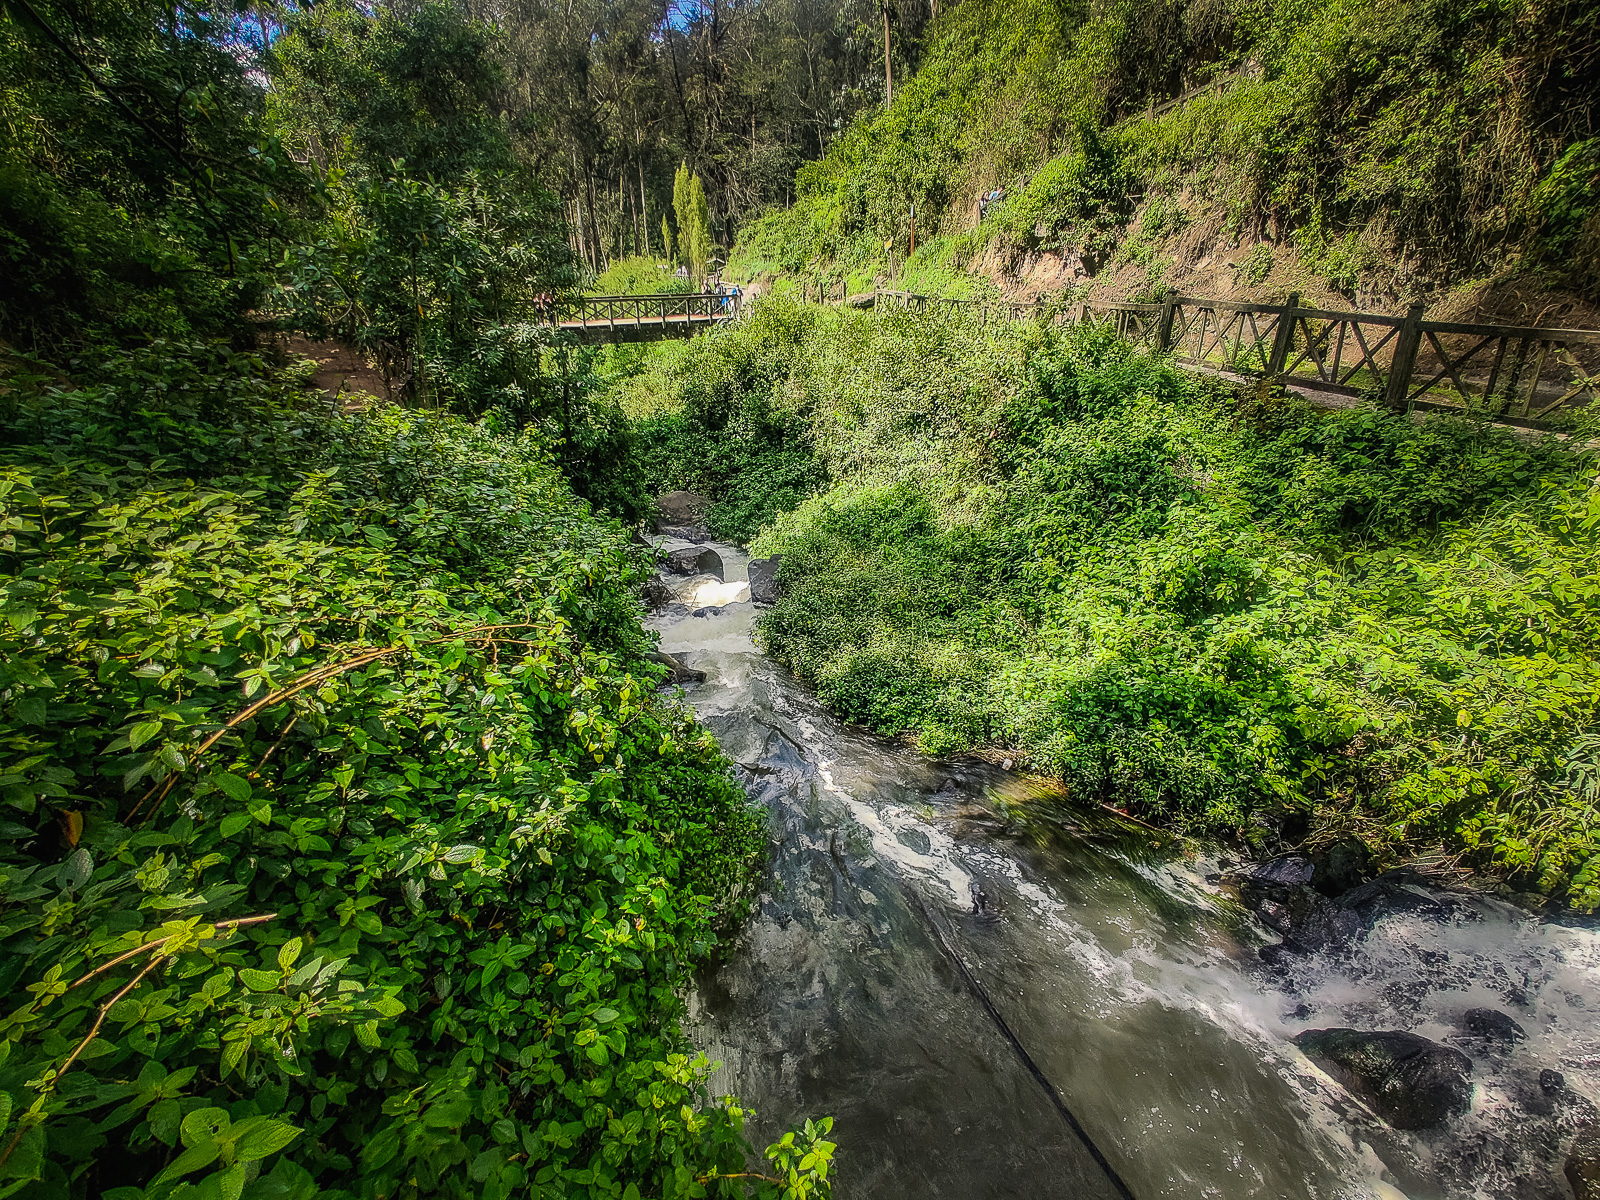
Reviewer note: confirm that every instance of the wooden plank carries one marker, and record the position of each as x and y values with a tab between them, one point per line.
1579	337
1325	314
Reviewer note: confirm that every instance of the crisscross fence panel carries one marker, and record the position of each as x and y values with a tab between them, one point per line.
1509	372
1521	372
1139	323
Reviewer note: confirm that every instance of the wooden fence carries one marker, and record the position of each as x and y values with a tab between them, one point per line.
1524	374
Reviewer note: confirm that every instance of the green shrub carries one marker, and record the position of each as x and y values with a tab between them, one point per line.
349	849
639	275
1197	605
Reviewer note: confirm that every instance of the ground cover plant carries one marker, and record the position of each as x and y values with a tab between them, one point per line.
345	845
348	848
1221	611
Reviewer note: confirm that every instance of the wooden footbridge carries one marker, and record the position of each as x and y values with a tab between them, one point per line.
644	318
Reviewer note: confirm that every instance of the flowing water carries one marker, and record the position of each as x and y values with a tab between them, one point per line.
958	968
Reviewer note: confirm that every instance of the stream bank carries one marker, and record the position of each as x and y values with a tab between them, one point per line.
904	893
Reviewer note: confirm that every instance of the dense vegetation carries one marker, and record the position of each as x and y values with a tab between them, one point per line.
1399	147
1222	612
348	848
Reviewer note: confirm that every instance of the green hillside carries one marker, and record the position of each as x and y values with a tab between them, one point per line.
1399	149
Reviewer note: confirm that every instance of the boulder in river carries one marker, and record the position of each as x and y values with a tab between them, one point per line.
764	579
1409	1081
1583	1165
1492	1025
1291	871
681	508
683	558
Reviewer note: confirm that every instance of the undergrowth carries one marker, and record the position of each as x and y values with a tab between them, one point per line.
1224	612
348	848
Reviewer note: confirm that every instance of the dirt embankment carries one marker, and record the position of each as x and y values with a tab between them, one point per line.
1204	257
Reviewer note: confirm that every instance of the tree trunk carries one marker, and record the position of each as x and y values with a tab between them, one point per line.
888	69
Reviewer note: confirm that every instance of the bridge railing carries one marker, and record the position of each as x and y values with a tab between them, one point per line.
641	311
1507	371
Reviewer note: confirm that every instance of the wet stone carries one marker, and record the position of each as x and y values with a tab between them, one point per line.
763	575
1408	1080
1583	1166
1492	1025
1289	872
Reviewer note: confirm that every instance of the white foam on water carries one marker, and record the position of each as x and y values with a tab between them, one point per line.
886	823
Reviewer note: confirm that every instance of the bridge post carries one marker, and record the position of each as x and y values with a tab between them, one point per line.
1169	311
1406	343
1283	336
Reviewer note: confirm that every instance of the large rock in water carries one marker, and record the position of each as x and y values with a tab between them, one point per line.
764	579
1409	1081
681	508
693	560
1583	1165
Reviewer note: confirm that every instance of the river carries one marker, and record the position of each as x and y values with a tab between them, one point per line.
988	989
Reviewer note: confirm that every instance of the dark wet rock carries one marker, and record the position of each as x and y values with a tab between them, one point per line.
1397	893
1342	866
1323	925
685	533
681	508
1409	1081
1492	1025
677	671
1276	954
655	593
1308	920
1583	1165
915	840
764	579
1275	915
1291	871
1548	1095
709	610
692	560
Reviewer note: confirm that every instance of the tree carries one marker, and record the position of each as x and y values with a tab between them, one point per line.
680	209
699	229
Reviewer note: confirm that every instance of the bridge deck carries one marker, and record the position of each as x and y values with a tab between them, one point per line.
641	318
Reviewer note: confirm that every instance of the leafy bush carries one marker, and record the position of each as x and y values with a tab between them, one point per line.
1076	203
1206	607
350	850
713	419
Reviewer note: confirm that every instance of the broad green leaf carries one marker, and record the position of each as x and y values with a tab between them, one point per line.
235	787
257	1137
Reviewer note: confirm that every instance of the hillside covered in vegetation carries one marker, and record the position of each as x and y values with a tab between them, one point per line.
1222	611
1377	152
